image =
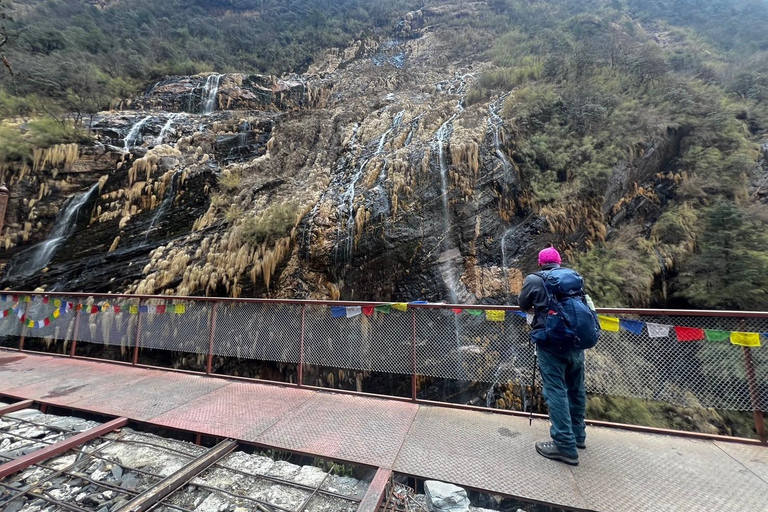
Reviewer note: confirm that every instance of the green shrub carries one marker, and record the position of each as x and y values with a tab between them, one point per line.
274	223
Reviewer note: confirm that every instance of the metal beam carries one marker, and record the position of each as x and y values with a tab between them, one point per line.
28	460
24	404
375	493
157	492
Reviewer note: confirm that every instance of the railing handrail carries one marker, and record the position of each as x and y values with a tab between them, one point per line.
305	302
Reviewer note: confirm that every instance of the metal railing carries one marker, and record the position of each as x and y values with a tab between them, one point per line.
426	340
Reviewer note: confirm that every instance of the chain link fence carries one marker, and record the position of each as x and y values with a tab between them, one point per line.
426	341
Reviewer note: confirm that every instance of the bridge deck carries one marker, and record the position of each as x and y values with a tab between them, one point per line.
620	471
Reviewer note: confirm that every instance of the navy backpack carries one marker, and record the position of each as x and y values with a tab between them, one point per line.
570	323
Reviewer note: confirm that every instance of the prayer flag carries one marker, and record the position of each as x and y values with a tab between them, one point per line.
354	311
160	310
116	308
4	298
181	309
368	310
94	309
31	324
529	318
521	314
15	298
56	313
5	313
133	309
608	323
494	315
745	339
633	326
40	324
714	335
57	303
143	309
46	321
105	307
475	312
384	308
151	309
27	298
457	310
338	311
400	306
658	330
79	307
45	300
689	334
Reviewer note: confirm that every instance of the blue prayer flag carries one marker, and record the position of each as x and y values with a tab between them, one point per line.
418	302
632	326
339	312
521	314
143	309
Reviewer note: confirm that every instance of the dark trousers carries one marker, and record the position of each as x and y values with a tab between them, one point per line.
566	396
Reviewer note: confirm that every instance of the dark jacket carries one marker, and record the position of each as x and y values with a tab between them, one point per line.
534	297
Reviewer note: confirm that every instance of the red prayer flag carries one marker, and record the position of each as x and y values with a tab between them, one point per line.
457	311
46	321
94	310
160	310
689	334
116	308
15	298
79	307
368	310
45	300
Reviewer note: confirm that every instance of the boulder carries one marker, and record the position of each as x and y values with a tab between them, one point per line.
442	497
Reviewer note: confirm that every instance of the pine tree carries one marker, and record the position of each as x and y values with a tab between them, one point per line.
730	269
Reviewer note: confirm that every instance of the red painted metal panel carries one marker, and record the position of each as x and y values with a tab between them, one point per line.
375	493
26	461
24	404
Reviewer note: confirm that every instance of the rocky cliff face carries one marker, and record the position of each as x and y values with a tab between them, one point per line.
366	178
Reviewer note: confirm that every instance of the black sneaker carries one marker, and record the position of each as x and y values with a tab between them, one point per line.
549	450
581	445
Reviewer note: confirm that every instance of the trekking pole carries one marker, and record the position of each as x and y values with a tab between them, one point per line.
533	381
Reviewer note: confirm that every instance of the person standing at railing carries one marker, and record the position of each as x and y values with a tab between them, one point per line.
564	325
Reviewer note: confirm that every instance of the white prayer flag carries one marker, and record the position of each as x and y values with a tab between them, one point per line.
529	318
354	311
658	330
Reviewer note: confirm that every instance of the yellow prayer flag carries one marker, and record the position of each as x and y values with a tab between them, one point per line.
57	303
134	310
27	298
493	315
180	309
400	306
745	339
31	324
56	313
608	323
105	307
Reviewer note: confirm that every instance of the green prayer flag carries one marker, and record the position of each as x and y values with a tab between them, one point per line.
474	312
385	308
714	335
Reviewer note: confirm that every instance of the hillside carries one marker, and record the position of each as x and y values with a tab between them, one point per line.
387	150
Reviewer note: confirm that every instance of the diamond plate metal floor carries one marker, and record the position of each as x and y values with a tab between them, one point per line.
620	471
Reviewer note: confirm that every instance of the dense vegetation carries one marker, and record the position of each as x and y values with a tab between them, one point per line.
595	83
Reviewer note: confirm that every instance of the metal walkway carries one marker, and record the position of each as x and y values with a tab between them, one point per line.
620	471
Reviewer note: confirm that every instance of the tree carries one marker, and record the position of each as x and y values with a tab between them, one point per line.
730	270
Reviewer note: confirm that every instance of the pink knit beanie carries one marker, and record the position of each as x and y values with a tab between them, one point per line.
549	255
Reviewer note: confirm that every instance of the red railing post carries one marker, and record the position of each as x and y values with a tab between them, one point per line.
74	333
749	366
209	363
138	335
414	390
301	343
24	327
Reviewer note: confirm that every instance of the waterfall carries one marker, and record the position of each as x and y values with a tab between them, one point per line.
37	257
211	89
447	267
135	133
167	127
170	196
495	123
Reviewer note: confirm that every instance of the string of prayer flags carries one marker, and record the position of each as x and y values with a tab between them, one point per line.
608	323
400	306
353	311
745	339
716	336
338	312
383	308
495	315
689	334
633	326
368	310
658	330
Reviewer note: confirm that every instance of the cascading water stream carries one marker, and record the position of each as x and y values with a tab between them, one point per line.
167	127
495	123
135	133
170	196
211	89
37	257
448	270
